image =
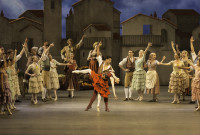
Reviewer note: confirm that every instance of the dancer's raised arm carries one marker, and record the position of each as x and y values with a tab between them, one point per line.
98	48
191	44
148	46
163	58
192	49
47	50
172	44
80	42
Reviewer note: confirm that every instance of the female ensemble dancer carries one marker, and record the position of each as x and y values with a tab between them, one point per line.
139	75
177	80
152	79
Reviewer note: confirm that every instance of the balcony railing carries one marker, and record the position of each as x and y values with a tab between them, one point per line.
141	40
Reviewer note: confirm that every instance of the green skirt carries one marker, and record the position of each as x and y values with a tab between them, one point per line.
139	80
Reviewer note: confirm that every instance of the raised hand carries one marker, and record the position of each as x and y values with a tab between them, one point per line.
100	44
149	44
192	39
163	58
176	46
52	44
26	40
172	43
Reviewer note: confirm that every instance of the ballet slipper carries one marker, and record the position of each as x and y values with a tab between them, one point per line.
197	109
55	99
141	98
11	107
173	102
89	107
137	99
98	109
9	112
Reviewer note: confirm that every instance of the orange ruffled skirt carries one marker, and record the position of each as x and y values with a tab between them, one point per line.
100	85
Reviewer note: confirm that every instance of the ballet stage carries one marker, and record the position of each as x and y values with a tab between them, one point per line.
67	116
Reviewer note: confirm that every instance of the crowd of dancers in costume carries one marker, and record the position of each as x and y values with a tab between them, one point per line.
41	75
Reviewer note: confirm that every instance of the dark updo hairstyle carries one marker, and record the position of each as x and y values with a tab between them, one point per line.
107	57
9	51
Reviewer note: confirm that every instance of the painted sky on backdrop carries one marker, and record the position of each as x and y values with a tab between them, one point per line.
13	8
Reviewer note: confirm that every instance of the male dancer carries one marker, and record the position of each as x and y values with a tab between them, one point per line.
129	63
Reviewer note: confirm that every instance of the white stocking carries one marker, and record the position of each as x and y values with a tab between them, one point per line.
130	92
99	100
126	92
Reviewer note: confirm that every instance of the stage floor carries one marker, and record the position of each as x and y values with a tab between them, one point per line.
67	116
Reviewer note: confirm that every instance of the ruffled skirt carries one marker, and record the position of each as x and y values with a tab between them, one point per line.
100	85
187	80
139	80
177	83
54	80
5	97
35	84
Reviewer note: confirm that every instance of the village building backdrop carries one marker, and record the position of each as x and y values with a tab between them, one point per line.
100	21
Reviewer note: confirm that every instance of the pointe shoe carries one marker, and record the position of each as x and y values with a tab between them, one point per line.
98	109
11	107
34	102
14	106
88	108
9	112
137	99
197	109
141	98
173	102
55	99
